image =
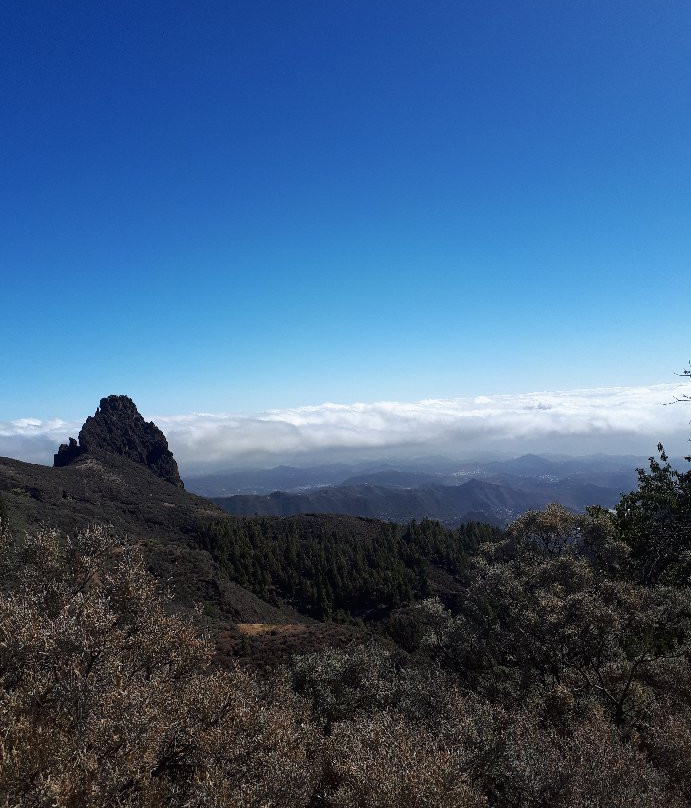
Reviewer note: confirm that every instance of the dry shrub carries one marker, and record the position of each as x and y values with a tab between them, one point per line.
387	761
666	733
590	766
108	698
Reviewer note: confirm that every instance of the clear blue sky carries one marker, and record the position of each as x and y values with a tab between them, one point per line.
233	206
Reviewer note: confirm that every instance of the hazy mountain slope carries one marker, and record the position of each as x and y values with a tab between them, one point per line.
475	499
609	471
395	479
264	481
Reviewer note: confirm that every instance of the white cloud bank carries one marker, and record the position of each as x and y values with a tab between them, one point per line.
616	420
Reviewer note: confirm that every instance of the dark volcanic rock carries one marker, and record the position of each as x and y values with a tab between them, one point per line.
67	453
118	428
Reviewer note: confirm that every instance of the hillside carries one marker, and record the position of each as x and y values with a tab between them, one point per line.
161	517
474	500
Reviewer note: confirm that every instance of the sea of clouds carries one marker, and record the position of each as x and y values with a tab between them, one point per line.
617	420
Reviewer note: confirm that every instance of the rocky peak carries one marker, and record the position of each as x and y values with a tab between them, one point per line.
118	428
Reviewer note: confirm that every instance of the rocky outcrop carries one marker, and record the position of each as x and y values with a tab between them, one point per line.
67	453
118	428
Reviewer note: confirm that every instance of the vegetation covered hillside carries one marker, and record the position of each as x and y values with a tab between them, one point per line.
341	567
161	518
559	674
245	571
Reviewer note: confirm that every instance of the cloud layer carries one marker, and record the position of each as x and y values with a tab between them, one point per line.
617	420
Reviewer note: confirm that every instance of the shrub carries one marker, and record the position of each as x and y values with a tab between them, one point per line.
108	698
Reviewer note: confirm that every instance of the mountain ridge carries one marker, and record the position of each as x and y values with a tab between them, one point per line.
476	499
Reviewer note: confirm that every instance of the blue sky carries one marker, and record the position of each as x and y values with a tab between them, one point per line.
238	206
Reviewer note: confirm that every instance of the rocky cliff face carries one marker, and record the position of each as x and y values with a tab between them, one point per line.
118	428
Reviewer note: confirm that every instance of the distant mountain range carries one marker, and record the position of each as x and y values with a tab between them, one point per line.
496	491
413	473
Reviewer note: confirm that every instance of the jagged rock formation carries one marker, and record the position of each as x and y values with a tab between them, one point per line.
118	428
67	452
